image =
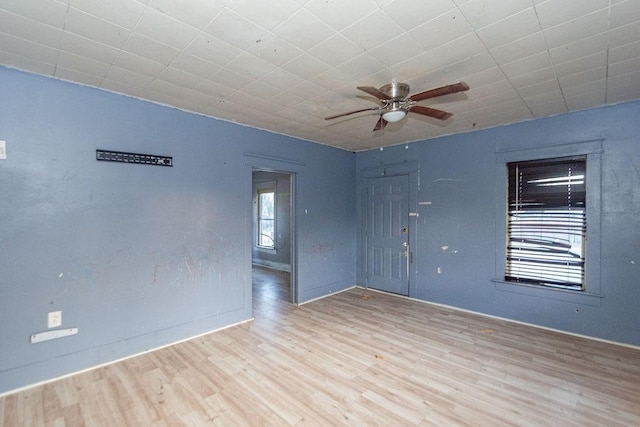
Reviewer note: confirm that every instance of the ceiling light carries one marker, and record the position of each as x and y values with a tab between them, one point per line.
394	115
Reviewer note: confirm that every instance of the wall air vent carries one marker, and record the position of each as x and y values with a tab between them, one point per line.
144	159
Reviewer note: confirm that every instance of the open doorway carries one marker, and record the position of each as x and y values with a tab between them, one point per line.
272	238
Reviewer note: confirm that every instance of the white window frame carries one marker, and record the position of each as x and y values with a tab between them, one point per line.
260	219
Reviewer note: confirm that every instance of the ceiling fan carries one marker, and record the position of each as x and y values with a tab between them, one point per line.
396	104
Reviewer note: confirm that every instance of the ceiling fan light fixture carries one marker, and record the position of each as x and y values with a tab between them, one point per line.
394	115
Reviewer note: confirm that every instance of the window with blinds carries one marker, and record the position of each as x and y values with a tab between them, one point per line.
546	224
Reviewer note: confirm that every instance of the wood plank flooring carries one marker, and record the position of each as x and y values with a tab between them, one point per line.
355	358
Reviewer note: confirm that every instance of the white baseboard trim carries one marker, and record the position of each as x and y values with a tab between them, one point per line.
327	295
70	374
560	331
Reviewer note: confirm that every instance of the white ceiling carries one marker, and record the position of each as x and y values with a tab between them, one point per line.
284	65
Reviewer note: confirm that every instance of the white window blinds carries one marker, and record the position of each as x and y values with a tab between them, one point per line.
547	222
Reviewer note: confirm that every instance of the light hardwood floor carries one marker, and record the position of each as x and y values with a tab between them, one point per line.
355	358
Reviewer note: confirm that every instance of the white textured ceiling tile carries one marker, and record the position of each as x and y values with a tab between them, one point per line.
180	78
465	47
492	75
306	66
123	77
583	100
307	90
595	86
267	14
443	29
361	66
250	66
29	29
471	65
120	87
214	89
12	60
242	98
197	13
550	86
515	27
552	13
274	50
625	34
491	89
235	29
88	48
287	100
481	13
79	77
151	49
526	65
304	30
166	89
193	65
332	79
164	29
336	50
231	78
261	90
82	64
518	49
547	109
622	53
534	77
282	79
193	102
625	12
577	29
124	14
624	67
430	80
397	50
28	49
159	97
290	63
584	77
383	76
340	14
48	12
366	33
96	29
212	49
415	66
579	49
623	87
553	97
138	64
412	13
598	59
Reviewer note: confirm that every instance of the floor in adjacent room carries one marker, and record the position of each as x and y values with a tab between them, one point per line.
355	358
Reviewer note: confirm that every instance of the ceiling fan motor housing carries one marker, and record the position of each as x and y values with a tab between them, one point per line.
396	91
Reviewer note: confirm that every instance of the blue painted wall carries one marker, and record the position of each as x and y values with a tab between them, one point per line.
139	256
458	221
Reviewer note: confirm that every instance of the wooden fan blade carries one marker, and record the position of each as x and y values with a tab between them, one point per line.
351	112
440	91
431	112
380	125
374	92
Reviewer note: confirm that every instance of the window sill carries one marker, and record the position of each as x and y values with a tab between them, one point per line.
267	249
567	295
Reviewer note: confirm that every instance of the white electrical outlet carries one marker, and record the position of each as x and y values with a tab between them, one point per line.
54	319
3	150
